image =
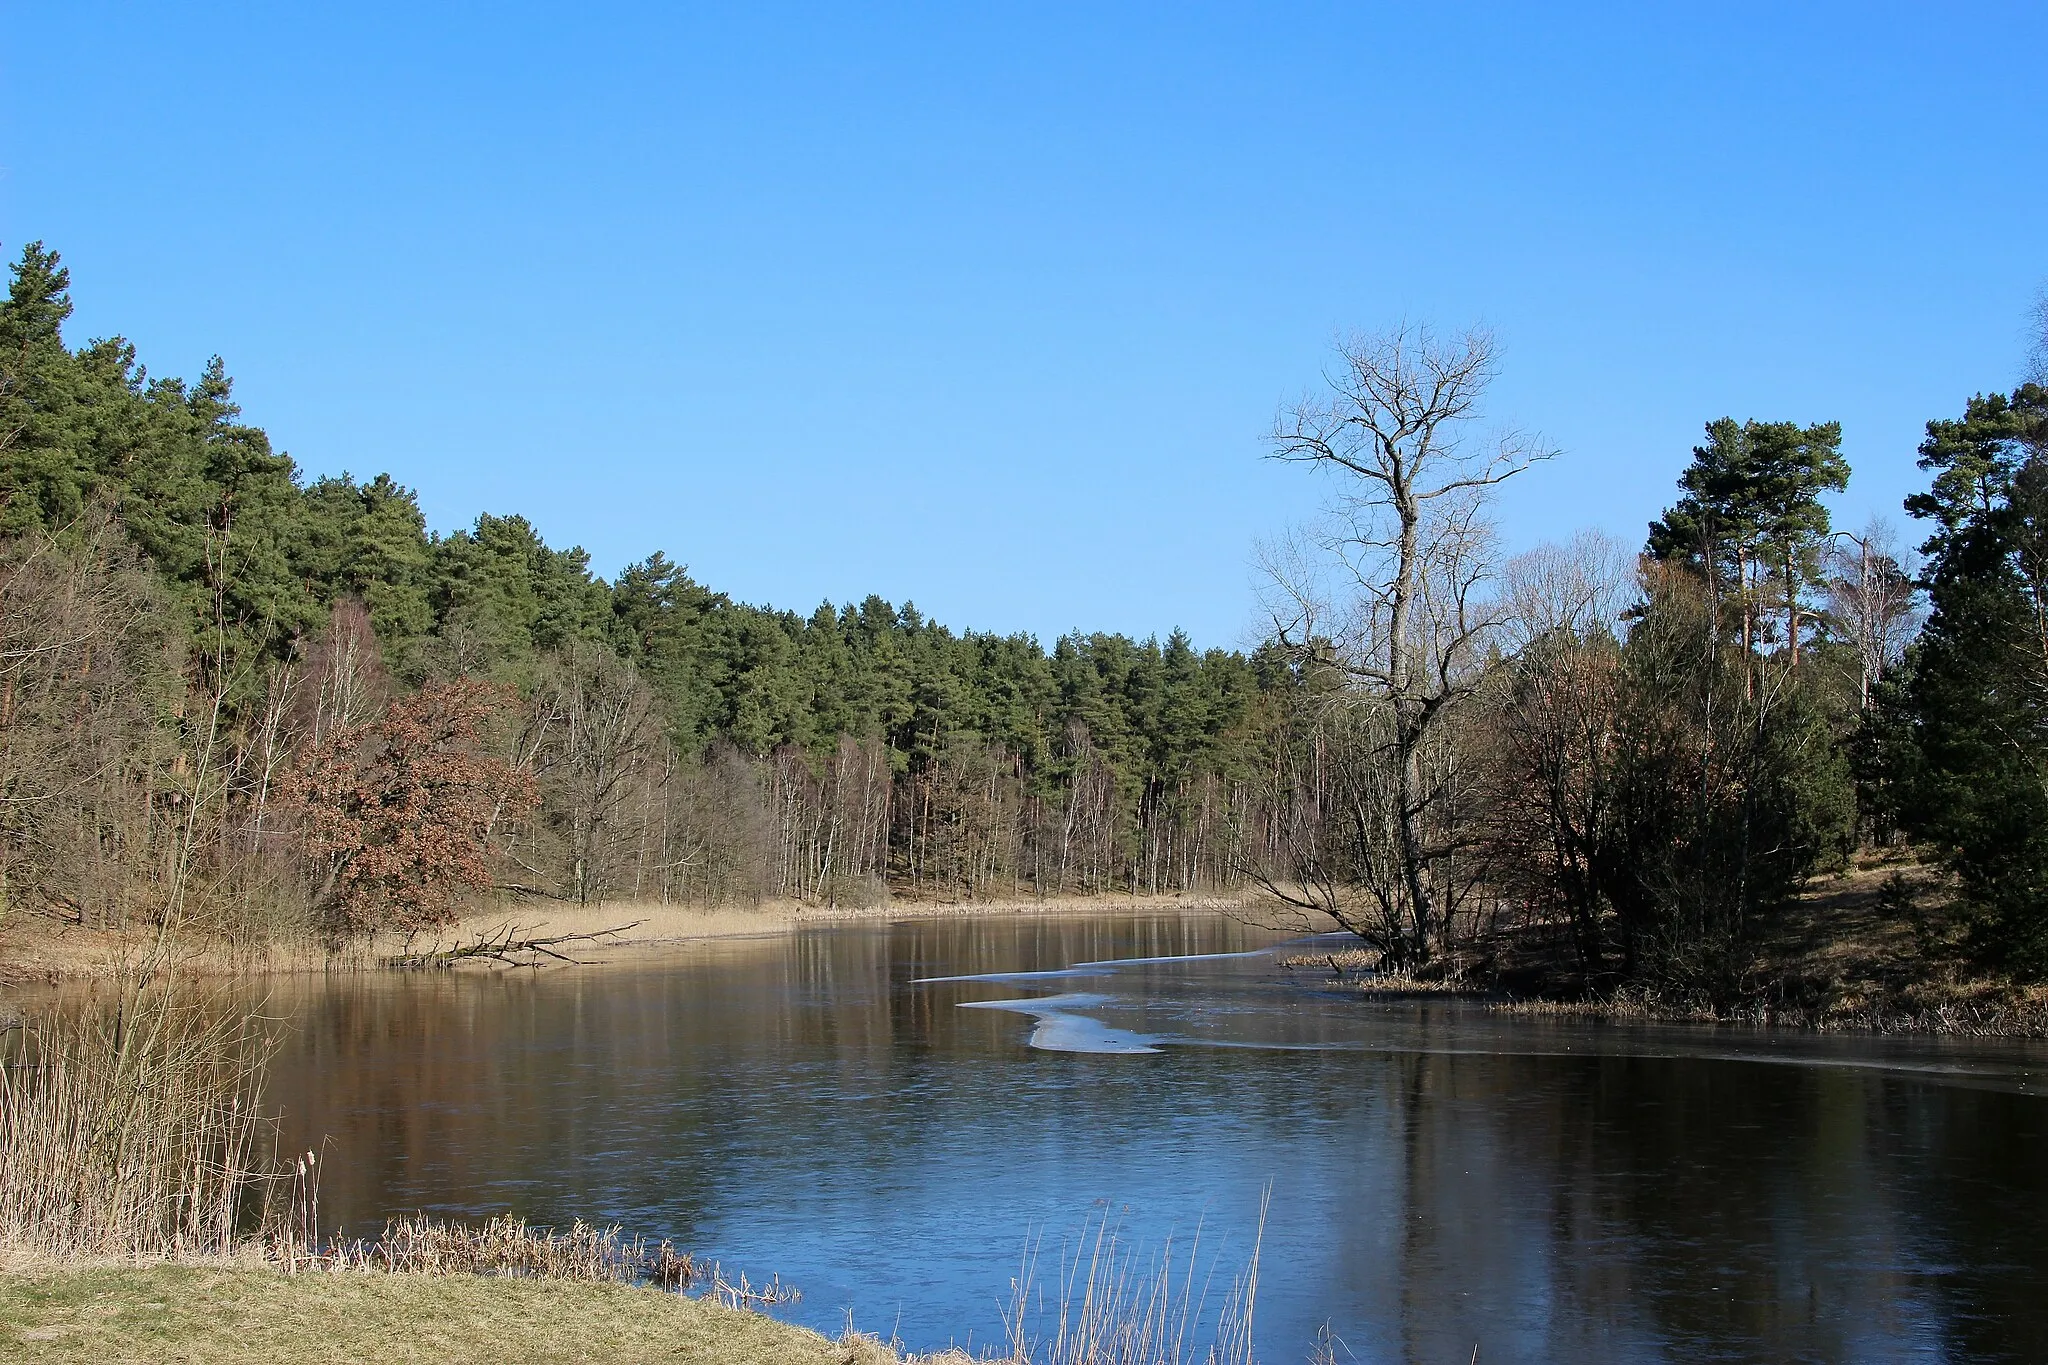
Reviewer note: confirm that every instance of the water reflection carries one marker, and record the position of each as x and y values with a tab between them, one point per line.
818	1106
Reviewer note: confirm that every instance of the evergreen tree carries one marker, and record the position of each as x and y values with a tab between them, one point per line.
369	541
1751	522
45	479
1974	767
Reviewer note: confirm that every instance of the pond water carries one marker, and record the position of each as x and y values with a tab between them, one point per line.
820	1106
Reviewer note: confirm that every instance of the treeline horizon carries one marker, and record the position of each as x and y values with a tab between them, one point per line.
684	744
238	698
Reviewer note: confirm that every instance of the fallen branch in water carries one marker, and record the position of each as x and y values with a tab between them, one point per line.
504	944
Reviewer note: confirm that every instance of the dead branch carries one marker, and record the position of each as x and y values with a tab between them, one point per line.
505	944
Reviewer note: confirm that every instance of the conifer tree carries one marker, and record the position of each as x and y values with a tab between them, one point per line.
1975	703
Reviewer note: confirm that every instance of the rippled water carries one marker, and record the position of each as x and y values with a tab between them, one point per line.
820	1106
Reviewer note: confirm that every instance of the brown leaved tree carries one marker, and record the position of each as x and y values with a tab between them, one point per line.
398	812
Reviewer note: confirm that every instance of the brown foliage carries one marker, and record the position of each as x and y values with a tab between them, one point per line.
400	810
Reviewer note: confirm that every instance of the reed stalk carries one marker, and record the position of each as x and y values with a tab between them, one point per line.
506	1245
134	1132
1117	1304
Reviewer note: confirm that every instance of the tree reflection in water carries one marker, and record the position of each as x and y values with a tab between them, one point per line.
1442	1177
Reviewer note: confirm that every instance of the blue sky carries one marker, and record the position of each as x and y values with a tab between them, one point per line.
988	306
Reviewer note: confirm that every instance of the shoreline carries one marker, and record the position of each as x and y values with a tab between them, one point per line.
1980	1009
47	953
35	953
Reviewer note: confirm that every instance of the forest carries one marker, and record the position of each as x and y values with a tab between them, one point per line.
252	703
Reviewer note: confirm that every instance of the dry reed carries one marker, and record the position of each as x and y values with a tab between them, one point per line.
133	1131
1118	1305
506	1245
1362	970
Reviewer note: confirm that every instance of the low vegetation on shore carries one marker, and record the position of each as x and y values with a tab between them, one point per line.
1877	948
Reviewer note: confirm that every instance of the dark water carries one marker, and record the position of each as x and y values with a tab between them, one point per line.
1441	1178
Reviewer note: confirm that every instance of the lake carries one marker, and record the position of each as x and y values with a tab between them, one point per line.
886	1114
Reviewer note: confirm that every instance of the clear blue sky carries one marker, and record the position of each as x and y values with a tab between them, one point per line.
988	306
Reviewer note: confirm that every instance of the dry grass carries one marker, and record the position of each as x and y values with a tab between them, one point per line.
429	1291
140	1220
1358	969
1620	1005
239	1316
505	1245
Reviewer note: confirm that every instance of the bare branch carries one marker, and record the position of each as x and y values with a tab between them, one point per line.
1413	631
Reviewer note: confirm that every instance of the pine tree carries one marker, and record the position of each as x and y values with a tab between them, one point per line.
1974	768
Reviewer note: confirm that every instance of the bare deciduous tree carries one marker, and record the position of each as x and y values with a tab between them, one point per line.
832	821
1580	587
1397	597
1548	737
592	733
86	687
346	668
1871	599
2037	359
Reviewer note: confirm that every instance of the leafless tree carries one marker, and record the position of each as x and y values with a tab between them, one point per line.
1581	588
346	669
592	733
717	830
2037	358
832	820
87	676
1395	593
1871	599
1082	844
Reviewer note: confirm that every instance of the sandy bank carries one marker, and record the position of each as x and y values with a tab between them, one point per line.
41	950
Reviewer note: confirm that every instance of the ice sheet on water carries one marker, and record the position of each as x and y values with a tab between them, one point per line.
1060	1029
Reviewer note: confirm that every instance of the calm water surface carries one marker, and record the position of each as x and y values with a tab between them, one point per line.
820	1107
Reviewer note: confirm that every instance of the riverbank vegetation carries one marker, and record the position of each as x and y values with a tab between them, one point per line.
145	1213
1649	777
1114	1302
134	1130
227	1314
251	708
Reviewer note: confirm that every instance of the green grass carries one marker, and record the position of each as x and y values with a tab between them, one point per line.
205	1314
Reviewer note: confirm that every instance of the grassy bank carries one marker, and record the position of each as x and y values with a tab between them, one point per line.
231	1314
